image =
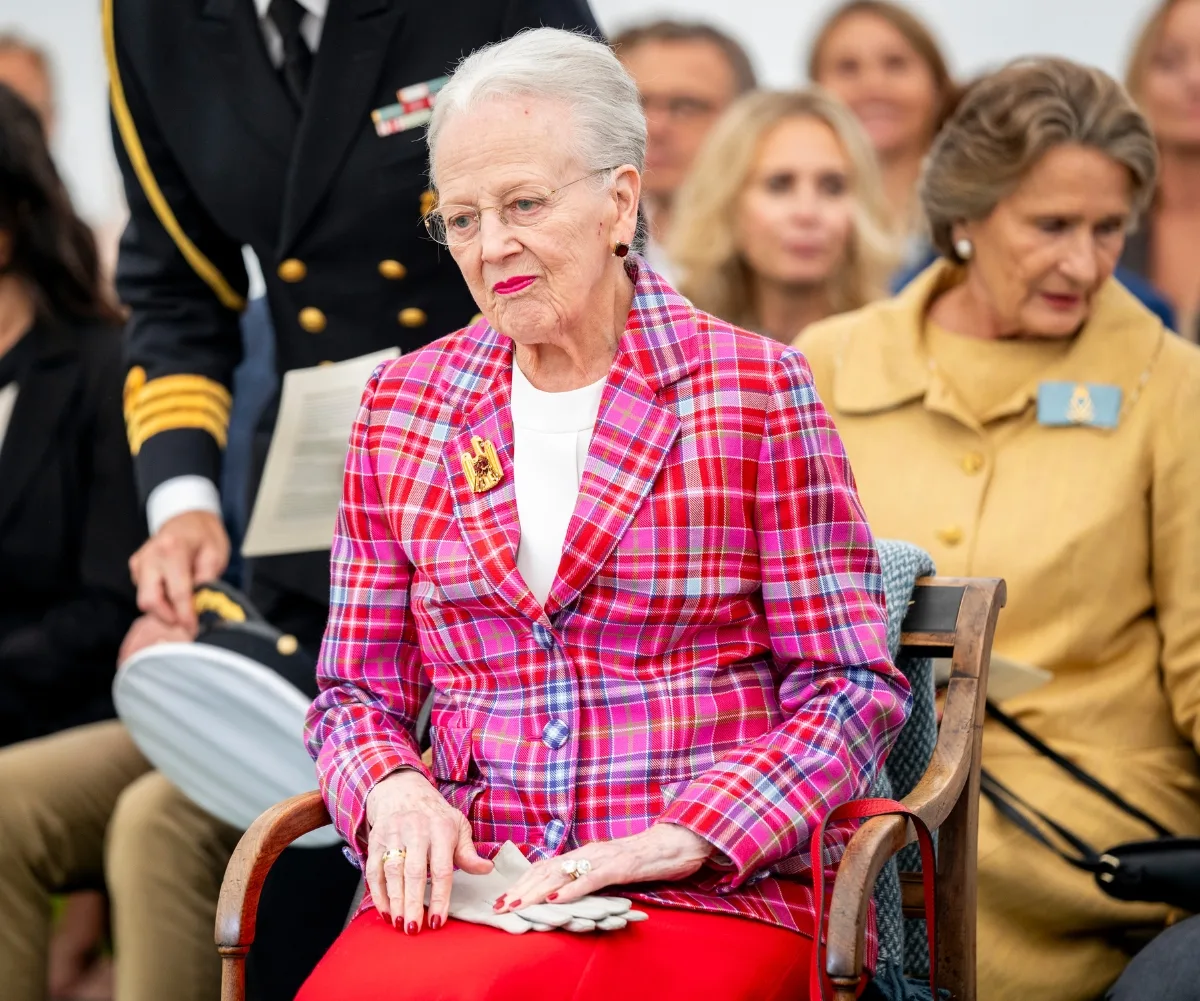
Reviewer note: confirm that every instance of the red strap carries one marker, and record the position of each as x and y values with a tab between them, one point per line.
819	987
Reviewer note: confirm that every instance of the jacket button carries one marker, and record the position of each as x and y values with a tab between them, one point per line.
951	535
292	270
555	734
312	319
972	463
412	317
392	270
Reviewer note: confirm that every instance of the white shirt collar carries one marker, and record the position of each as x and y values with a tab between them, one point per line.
316	8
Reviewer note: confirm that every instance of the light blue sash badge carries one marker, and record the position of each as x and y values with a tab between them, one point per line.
1078	404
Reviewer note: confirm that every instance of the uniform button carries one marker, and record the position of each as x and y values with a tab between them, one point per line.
554	832
972	463
555	734
392	270
412	317
543	636
292	270
312	319
951	535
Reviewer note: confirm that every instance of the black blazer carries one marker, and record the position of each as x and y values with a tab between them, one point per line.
69	521
331	209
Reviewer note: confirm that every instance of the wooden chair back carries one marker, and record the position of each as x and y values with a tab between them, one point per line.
953	618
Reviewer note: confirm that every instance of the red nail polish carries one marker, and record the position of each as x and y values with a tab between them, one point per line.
499	904
515	904
552	896
435	922
411	929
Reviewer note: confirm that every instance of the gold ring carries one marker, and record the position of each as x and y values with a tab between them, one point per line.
576	867
395	853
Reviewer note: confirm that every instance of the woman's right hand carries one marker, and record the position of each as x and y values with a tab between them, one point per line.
405	811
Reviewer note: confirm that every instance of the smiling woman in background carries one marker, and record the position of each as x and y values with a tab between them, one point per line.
885	64
782	221
1164	78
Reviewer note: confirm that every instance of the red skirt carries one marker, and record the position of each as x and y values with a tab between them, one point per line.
674	956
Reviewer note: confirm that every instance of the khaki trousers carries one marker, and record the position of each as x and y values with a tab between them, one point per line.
82	805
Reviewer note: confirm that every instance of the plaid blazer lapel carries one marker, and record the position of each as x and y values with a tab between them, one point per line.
633	434
488	520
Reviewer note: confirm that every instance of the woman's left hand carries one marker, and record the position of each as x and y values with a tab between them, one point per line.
661	852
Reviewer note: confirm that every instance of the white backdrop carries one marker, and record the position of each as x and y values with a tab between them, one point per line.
975	33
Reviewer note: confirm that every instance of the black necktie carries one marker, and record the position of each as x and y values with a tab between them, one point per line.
286	15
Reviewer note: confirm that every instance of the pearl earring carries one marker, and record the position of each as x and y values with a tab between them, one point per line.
964	248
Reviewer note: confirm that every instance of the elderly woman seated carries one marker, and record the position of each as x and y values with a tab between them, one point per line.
619	540
1020	414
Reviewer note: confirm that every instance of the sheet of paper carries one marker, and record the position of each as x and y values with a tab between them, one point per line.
302	480
1006	678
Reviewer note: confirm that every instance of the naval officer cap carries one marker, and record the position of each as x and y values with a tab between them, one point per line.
223	717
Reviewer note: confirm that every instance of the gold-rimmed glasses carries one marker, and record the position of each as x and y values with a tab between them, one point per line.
523	206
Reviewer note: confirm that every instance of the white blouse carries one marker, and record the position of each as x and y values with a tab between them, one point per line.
551	435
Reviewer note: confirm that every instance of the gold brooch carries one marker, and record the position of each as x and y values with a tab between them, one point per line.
482	466
1080	409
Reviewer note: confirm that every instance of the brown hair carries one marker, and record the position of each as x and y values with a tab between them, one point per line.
702	242
1010	120
1143	47
692	31
52	248
915	32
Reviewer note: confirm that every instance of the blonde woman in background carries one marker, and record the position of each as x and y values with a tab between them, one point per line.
782	220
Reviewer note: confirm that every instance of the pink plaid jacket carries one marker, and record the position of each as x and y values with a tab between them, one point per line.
712	653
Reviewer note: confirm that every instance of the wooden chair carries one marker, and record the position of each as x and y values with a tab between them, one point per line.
949	617
955	618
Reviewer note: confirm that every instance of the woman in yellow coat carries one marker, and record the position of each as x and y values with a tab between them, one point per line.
1019	414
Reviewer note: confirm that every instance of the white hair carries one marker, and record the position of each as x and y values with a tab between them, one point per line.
566	66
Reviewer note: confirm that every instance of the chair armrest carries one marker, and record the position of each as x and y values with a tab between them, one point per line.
256	852
950	769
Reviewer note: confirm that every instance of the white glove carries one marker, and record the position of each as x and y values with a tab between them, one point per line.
472	897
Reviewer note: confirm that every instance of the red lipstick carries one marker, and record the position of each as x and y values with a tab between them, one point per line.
511	285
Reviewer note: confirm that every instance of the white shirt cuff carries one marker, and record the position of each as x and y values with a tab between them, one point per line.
180	494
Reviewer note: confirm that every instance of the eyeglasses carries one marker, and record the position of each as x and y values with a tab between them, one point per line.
678	107
523	206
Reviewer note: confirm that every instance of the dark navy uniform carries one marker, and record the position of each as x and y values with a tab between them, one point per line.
216	154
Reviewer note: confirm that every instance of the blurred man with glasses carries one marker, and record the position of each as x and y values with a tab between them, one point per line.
687	73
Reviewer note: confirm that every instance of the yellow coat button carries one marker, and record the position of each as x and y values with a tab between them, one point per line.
292	270
972	463
952	535
392	270
312	319
412	317
475	319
